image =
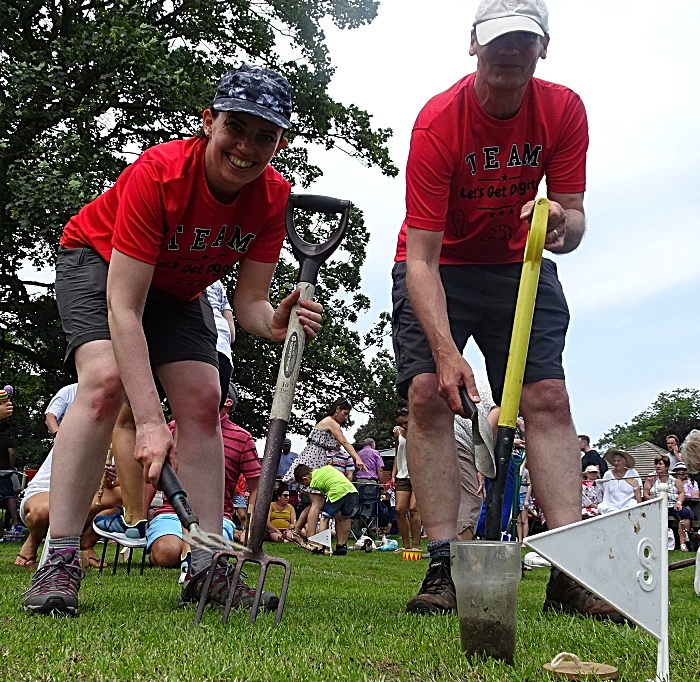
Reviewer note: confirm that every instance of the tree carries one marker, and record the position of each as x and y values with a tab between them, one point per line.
676	412
86	84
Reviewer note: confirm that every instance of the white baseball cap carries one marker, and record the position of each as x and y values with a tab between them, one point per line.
495	18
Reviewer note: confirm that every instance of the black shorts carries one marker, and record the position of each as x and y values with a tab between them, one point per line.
175	330
481	304
6	487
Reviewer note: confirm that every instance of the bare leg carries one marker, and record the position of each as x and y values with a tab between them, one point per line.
342	529
552	451
432	458
128	469
193	391
12	510
403	499
166	551
414	521
111	497
523	525
83	439
317	502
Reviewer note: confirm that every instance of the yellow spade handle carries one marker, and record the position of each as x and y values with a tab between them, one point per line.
524	309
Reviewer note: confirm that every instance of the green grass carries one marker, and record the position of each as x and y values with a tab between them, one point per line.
344	620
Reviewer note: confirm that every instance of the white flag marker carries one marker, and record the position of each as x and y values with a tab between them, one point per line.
622	558
322	538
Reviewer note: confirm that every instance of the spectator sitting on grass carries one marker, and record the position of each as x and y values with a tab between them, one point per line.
281	517
34	512
591	494
342	499
680	471
676	496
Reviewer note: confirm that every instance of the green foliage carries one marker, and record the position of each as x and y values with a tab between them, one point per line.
85	85
676	412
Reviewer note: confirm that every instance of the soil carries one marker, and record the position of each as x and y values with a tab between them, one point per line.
490	638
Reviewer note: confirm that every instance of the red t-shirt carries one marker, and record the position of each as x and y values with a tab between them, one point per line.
160	211
469	174
240	460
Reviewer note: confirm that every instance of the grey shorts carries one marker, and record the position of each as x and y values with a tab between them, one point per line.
481	304
175	330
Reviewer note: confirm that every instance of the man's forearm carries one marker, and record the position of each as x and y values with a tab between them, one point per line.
575	229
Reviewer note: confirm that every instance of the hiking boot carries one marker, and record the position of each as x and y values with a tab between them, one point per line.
437	593
114	527
220	586
565	595
340	550
54	587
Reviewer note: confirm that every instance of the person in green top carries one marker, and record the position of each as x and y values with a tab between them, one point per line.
342	499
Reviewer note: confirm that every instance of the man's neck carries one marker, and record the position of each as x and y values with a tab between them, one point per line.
499	103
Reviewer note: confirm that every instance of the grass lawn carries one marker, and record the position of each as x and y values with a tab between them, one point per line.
344	620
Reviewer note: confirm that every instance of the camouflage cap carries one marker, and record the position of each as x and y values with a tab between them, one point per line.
258	91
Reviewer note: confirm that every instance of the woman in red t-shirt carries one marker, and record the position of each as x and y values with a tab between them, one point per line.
129	274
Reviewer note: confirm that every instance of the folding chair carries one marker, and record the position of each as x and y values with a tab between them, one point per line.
366	520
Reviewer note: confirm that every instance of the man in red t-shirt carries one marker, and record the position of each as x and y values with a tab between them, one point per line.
478	154
129	274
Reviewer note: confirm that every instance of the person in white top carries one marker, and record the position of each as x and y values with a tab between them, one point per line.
34	512
225	333
409	526
57	408
621	484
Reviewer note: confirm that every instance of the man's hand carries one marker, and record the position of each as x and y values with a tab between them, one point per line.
556	225
154	443
6	410
309	314
454	371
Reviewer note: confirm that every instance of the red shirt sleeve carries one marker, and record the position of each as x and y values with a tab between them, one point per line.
429	172
140	224
566	172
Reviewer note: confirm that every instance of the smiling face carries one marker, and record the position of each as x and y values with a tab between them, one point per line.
240	147
508	62
619	463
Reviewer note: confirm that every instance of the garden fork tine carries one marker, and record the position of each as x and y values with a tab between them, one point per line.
310	257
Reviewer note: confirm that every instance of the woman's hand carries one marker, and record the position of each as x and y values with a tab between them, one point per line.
154	443
360	465
678	506
309	314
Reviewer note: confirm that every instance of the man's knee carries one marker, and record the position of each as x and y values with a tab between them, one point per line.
548	397
166	551
425	403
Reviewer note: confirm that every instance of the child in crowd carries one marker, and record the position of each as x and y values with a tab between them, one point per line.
342	499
